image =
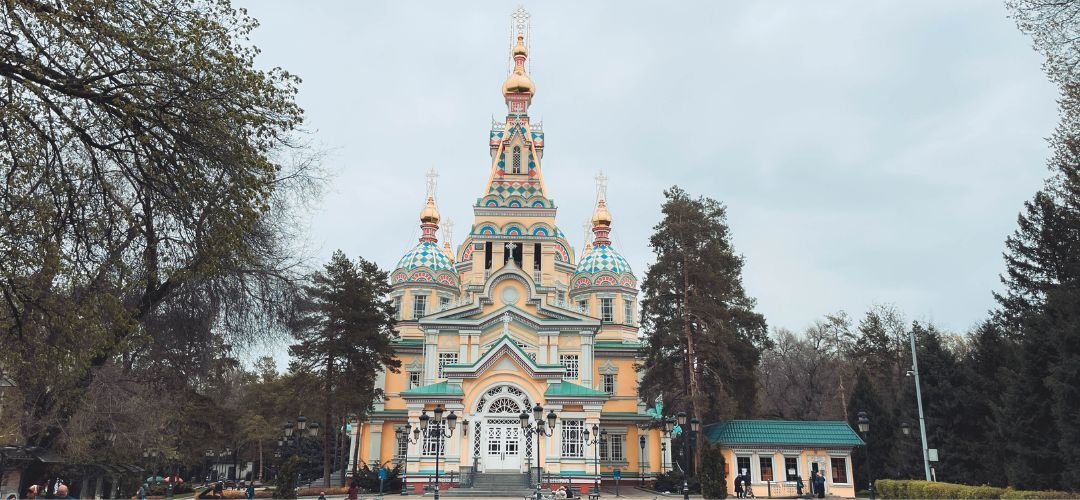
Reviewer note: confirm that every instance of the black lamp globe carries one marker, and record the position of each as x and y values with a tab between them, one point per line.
524	419
551	417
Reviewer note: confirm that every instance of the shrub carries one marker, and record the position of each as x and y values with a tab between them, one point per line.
672	482
314	492
894	488
713	476
286	480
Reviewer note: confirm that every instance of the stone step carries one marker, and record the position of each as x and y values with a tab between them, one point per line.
481	493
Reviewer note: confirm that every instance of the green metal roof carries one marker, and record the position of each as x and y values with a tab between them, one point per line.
780	432
409	342
617	344
565	388
438	388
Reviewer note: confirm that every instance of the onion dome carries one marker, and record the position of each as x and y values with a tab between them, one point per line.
427	262
601	265
518	82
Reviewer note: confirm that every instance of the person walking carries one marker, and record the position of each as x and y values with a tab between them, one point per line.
251	490
141	494
819	485
739	481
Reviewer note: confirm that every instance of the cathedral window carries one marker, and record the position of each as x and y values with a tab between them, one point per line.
414	380
397	307
607	310
446	358
516	168
487	255
430	443
616	443
628	312
536	257
402	449
560	297
609	384
570	364
573	445
583	306
444	303
419	306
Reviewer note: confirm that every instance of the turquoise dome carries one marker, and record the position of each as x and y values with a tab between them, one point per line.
603	258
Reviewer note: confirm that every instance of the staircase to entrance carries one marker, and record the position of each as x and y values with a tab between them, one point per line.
494	484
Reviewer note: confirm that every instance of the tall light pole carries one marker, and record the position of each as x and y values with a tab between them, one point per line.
403	438
864	429
669	426
918	397
537	429
437	433
301	430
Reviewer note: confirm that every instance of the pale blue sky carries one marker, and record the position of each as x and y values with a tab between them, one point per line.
868	152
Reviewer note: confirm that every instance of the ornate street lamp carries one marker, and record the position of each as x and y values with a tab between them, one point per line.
300	430
669	426
598	440
437	433
402	434
864	429
537	428
641	461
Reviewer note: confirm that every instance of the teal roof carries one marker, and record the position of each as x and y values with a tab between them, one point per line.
603	258
781	432
565	388
409	342
438	388
426	254
617	344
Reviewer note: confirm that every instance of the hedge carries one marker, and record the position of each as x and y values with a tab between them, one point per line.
896	488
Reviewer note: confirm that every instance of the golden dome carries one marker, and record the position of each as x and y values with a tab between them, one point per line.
601	216
519	49
430	214
518	82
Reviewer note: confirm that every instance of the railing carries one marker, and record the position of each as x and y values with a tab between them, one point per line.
777	489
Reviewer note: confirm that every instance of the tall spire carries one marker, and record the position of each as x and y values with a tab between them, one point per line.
518	89
429	216
601	219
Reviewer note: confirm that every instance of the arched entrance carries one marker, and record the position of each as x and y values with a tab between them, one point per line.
498	443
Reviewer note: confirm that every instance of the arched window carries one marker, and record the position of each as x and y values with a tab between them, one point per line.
516	165
505	405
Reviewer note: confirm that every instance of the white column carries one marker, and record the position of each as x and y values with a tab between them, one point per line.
587	358
546	338
354	443
463	348
431	356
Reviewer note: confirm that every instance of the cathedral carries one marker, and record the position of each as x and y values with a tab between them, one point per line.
513	318
518	353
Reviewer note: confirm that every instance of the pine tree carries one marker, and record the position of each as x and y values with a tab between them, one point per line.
702	331
344	326
869	462
1041	308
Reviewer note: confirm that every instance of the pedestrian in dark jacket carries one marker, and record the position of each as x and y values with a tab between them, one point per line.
819	485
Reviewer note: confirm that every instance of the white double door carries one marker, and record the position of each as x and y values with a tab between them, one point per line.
503	449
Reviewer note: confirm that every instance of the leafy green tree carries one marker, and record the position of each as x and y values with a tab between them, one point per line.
344	326
702	330
144	200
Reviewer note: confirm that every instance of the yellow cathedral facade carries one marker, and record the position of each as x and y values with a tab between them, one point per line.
511	319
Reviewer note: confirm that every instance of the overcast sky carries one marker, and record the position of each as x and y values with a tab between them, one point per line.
868	152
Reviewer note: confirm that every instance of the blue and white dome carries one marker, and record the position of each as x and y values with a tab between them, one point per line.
426	254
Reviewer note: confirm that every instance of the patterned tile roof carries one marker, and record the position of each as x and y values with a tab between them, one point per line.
783	432
603	258
426	254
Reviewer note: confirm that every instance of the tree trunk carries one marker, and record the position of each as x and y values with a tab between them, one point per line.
260	460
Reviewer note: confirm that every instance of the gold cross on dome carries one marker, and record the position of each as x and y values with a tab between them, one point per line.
601	185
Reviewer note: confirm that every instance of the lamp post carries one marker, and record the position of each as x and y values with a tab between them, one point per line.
641	461
914	372
864	429
301	430
537	428
669	426
402	434
695	427
150	455
210	454
599	437
437	433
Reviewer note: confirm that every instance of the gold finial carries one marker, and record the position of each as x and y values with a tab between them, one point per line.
518	82
601	216
430	213
520	49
